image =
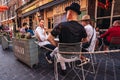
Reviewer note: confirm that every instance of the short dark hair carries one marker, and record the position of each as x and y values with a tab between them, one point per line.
41	19
24	24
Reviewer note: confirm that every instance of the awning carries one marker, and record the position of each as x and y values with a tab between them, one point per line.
43	7
3	8
30	12
51	4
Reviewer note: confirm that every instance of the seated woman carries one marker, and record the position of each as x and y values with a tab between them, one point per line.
114	31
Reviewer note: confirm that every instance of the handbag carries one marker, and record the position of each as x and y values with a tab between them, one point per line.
87	44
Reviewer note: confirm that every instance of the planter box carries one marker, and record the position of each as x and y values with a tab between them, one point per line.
4	42
26	51
0	39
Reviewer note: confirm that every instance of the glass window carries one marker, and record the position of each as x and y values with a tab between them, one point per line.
50	23
104	8
116	18
103	23
82	14
117	7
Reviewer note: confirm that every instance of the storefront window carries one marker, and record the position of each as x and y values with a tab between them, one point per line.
50	23
104	8
103	23
117	7
59	18
115	18
82	14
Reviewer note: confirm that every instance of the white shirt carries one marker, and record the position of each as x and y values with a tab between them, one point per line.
22	30
89	30
41	34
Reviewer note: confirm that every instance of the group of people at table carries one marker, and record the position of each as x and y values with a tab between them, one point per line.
72	31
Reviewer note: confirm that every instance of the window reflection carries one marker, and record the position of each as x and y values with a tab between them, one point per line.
103	23
104	8
117	7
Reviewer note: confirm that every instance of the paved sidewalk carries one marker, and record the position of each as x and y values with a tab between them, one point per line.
13	69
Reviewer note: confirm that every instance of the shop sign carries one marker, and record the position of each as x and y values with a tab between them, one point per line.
59	9
83	4
42	2
29	9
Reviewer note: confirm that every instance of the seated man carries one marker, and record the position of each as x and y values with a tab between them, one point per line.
41	35
114	31
70	31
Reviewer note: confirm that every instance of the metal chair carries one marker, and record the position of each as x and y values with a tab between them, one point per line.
68	51
114	43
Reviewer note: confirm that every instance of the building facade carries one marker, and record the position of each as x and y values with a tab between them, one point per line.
52	11
8	17
102	12
107	13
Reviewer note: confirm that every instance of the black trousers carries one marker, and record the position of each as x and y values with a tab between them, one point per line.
50	46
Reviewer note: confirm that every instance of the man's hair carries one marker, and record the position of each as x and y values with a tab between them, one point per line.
117	21
24	24
41	19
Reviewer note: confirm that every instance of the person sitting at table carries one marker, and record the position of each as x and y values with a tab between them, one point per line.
91	33
42	36
69	32
22	30
114	31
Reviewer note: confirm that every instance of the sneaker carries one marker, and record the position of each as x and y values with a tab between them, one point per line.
87	60
49	58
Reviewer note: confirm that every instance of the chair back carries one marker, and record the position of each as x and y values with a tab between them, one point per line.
69	47
114	43
115	40
68	50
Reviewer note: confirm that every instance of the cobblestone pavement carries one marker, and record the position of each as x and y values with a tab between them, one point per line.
107	68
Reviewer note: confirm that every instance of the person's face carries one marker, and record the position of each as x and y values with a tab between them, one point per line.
42	23
83	23
69	14
115	24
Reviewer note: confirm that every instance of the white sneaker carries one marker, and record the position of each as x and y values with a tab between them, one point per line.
87	60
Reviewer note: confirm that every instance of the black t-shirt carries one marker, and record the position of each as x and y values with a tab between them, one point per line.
69	32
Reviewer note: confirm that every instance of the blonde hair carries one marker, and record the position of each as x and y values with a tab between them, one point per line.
116	23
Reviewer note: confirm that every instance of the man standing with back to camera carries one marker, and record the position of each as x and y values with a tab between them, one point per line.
70	31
